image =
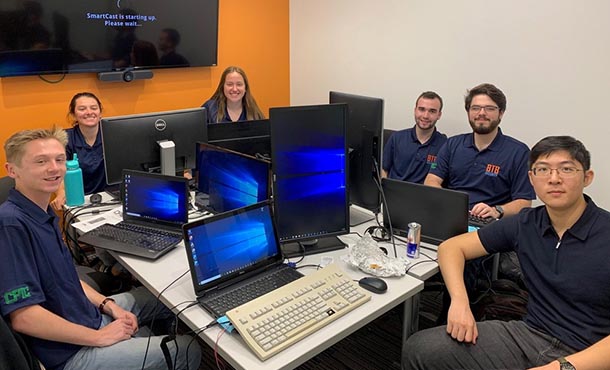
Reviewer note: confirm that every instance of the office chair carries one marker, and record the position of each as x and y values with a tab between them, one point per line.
6	184
386	135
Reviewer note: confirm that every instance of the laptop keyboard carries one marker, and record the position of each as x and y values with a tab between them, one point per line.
479	221
138	236
224	302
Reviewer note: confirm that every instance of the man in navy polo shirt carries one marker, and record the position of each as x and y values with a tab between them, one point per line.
66	323
409	153
490	166
563	250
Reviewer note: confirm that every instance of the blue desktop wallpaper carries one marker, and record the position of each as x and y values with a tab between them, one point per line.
232	243
156	198
308	181
304	160
232	180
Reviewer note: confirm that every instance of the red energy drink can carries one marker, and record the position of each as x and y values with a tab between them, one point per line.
413	238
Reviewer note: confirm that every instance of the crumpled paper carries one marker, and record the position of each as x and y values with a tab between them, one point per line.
367	256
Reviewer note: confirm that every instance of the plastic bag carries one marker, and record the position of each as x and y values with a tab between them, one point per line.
368	257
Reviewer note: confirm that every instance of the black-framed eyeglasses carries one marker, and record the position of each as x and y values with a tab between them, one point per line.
566	171
486	108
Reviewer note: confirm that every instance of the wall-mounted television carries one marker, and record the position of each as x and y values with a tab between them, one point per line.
72	36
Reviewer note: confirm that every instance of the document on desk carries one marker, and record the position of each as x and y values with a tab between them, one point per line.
113	216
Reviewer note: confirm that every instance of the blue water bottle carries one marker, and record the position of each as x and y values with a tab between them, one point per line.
73	182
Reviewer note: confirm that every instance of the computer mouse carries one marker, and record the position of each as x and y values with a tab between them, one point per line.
95	198
373	284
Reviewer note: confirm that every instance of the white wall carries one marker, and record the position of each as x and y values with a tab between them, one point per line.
550	57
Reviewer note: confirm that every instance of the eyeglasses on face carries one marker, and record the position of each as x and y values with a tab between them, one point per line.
487	108
567	171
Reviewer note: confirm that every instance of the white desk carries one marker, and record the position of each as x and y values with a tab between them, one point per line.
156	275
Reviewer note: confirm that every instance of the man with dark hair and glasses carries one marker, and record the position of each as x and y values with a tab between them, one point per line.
490	166
563	250
409	153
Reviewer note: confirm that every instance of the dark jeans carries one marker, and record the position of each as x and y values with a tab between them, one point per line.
500	345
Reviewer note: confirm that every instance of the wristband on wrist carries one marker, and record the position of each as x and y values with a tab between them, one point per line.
106	300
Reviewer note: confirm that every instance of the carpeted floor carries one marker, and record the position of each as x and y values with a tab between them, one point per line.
376	346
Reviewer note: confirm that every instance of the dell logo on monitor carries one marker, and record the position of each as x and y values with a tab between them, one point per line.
160	124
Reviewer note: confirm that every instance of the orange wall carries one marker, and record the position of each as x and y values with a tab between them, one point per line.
252	34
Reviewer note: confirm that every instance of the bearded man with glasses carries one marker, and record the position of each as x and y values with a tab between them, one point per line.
563	250
490	166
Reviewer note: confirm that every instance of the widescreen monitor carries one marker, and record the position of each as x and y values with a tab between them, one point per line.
135	142
309	165
229	180
248	137
106	35
364	137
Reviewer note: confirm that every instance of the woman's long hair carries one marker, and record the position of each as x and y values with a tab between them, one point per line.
252	110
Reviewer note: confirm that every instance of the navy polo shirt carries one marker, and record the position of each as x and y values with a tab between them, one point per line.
405	158
36	268
495	175
212	108
90	159
568	280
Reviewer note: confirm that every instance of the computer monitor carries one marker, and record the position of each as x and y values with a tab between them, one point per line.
228	180
248	137
442	213
152	142
364	137
309	166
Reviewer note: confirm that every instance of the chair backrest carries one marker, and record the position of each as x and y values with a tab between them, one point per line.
386	135
6	184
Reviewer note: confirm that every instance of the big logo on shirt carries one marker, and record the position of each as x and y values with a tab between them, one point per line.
492	170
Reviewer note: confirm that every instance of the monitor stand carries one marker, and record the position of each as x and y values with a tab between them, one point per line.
314	246
167	156
358	216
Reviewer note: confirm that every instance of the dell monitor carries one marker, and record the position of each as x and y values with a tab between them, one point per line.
248	137
162	142
309	166
364	136
228	180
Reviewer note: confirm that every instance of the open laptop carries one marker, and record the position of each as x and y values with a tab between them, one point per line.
228	180
155	207
442	213
235	256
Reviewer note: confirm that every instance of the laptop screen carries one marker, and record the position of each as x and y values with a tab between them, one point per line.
232	180
442	213
225	246
155	198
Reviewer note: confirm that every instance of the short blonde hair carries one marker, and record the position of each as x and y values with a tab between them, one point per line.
14	147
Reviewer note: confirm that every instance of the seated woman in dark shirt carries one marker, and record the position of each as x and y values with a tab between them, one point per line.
85	139
232	100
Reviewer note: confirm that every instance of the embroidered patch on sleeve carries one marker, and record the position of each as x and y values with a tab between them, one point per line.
17	295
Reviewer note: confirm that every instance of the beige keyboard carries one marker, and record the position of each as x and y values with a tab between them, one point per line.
270	323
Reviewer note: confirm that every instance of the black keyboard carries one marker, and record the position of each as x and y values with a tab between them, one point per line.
226	301
139	236
479	221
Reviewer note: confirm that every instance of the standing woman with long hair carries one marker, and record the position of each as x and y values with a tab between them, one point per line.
232	101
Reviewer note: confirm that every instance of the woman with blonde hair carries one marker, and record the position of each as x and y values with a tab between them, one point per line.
232	101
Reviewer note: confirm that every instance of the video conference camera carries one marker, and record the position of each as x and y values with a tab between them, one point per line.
127	75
